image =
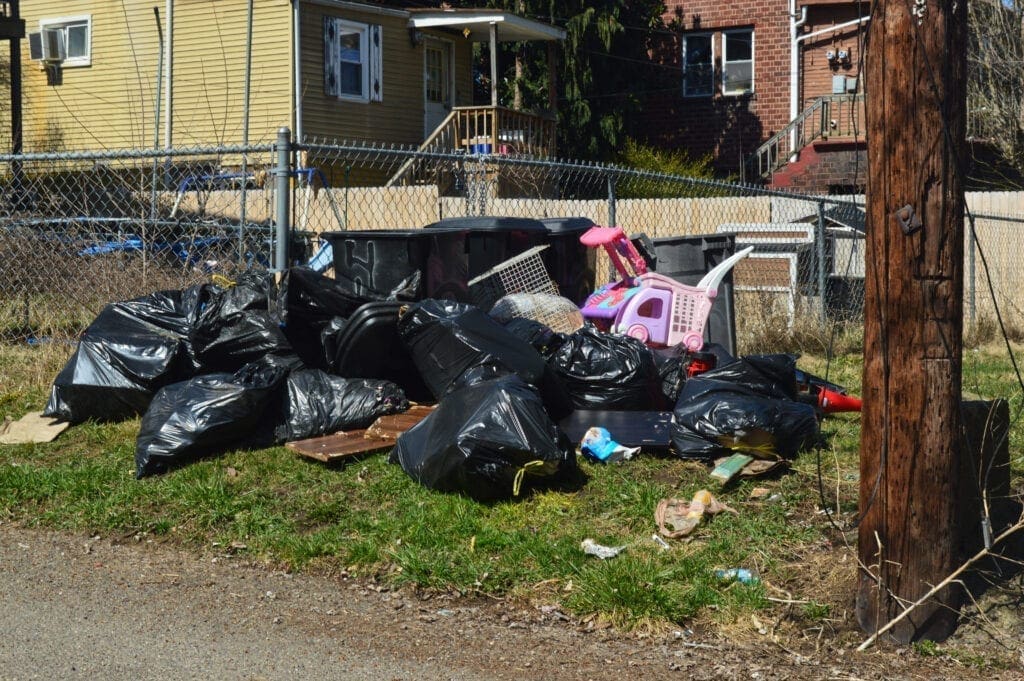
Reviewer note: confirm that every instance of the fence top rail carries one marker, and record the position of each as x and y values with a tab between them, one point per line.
370	153
998	218
115	154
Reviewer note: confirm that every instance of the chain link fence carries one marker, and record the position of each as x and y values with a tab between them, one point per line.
80	230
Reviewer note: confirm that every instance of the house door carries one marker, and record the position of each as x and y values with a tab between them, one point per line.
437	84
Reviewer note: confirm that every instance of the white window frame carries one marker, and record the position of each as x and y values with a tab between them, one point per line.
725	62
364	60
62	23
711	64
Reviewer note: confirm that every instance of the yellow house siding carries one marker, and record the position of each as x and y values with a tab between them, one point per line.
111	103
209	71
399	117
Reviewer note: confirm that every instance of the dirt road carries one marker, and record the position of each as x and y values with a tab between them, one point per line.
87	608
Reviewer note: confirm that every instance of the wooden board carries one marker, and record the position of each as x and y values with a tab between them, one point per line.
394	425
329	448
382	433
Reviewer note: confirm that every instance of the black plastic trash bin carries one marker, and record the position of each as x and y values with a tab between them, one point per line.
687	259
377	262
844	298
467	247
571	264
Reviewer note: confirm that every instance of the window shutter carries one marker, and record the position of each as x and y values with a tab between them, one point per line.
376	63
331	56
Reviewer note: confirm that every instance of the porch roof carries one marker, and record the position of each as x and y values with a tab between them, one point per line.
511	28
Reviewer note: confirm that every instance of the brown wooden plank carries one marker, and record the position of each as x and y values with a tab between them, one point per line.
336	446
382	433
394	425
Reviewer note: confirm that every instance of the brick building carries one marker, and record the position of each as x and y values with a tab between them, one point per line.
769	88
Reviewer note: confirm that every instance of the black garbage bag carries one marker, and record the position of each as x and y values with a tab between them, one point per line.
671	363
540	336
207	414
674	365
312	305
238	325
132	349
174	311
747	405
318	403
483	440
605	371
456	344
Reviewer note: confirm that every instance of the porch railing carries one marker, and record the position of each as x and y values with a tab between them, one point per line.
497	130
828	117
481	130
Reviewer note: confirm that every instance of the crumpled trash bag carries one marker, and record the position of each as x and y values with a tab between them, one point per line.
748	405
679	518
606	371
310	304
543	339
131	350
673	366
457	344
209	413
483	440
239	325
319	403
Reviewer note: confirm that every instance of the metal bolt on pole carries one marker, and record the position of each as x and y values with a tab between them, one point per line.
282	174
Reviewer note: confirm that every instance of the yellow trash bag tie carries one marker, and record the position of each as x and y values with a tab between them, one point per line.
517	483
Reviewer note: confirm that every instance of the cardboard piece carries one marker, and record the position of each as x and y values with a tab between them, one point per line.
32	427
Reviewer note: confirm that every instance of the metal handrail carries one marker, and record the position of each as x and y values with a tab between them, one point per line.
442	139
482	130
828	116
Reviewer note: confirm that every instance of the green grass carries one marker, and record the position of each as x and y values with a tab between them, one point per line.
368	517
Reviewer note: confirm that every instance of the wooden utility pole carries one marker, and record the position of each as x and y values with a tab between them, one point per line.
913	315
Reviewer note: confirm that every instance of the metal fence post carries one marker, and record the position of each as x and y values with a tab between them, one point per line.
819	240
971	254
611	202
282	174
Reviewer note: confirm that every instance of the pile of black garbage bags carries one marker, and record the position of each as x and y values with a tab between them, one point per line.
256	363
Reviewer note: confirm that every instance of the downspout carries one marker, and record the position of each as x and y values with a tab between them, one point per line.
168	76
297	73
794	69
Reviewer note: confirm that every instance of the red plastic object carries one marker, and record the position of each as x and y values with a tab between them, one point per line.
699	363
832	402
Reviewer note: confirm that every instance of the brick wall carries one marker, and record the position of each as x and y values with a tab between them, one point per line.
731	127
817	70
826	168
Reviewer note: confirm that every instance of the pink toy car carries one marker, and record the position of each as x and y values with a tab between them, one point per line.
648	306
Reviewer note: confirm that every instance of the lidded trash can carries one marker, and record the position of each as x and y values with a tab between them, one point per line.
571	264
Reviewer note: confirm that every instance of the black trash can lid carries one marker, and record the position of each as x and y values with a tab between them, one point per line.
577	224
488	223
372	234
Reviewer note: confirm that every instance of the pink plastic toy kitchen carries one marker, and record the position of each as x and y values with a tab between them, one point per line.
648	306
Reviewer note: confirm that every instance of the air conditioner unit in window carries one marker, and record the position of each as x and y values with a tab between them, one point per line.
47	45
